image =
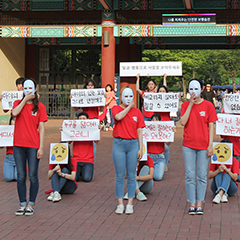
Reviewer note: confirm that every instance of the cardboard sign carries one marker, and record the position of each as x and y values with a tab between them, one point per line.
161	102
144	156
158	131
228	125
131	69
88	97
6	135
58	153
9	97
80	130
231	103
222	153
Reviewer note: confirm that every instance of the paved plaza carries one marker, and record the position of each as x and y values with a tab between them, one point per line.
89	212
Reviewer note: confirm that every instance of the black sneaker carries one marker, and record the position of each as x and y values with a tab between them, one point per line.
20	211
192	211
29	211
199	211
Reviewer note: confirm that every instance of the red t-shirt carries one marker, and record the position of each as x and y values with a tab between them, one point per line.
83	151
196	132
127	127
155	147
26	132
92	112
113	101
149	163
74	167
236	143
146	113
165	116
9	150
234	167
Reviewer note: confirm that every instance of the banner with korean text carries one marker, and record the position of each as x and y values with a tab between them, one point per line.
9	97
80	130
130	69
228	125
158	131
6	135
88	97
161	102
231	103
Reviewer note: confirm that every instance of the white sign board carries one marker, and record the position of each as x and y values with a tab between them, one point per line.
231	103
144	156
130	69
58	153
9	97
80	130
161	102
158	131
6	135
228	125
88	97
222	153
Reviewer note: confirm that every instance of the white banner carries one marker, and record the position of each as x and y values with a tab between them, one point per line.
130	69
228	125
161	102
159	131
80	130
87	97
6	135
58	153
9	97
231	103
222	153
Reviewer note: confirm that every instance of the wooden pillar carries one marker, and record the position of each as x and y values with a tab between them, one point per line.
108	48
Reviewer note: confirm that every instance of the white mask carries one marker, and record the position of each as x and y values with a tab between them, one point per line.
127	96
28	87
194	87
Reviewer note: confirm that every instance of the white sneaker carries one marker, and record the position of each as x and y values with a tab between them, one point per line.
50	197
224	198
56	197
217	199
141	197
125	196
120	209
129	209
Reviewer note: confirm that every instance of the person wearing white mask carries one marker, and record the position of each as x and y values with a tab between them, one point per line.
127	147
28	144
197	117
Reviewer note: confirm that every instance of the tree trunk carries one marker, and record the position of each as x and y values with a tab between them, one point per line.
193	74
234	83
184	87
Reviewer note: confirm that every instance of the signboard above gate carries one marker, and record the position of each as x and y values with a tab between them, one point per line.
182	19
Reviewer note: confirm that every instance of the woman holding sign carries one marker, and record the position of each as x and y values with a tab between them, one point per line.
28	143
127	147
197	117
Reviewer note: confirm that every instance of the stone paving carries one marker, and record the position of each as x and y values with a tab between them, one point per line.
89	212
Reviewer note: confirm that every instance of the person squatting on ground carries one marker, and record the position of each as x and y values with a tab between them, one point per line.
62	178
127	147
197	117
224	178
28	143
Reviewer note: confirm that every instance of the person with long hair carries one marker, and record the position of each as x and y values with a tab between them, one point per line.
28	143
62	178
127	147
197	117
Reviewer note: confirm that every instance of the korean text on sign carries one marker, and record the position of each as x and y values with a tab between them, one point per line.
231	103
80	130
87	97
130	69
9	97
6	135
161	102
228	125
159	131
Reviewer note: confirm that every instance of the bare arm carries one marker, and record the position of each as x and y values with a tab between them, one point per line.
41	136
165	79
137	84
140	141
124	112
210	144
71	176
146	177
51	172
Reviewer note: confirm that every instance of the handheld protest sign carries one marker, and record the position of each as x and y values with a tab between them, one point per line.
222	153
9	97
6	135
144	156
58	153
231	103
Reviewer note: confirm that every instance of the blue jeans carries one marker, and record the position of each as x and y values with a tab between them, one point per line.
124	154
238	158
84	171
166	153
159	165
144	186
224	182
112	119
196	162
61	184
22	155
9	168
